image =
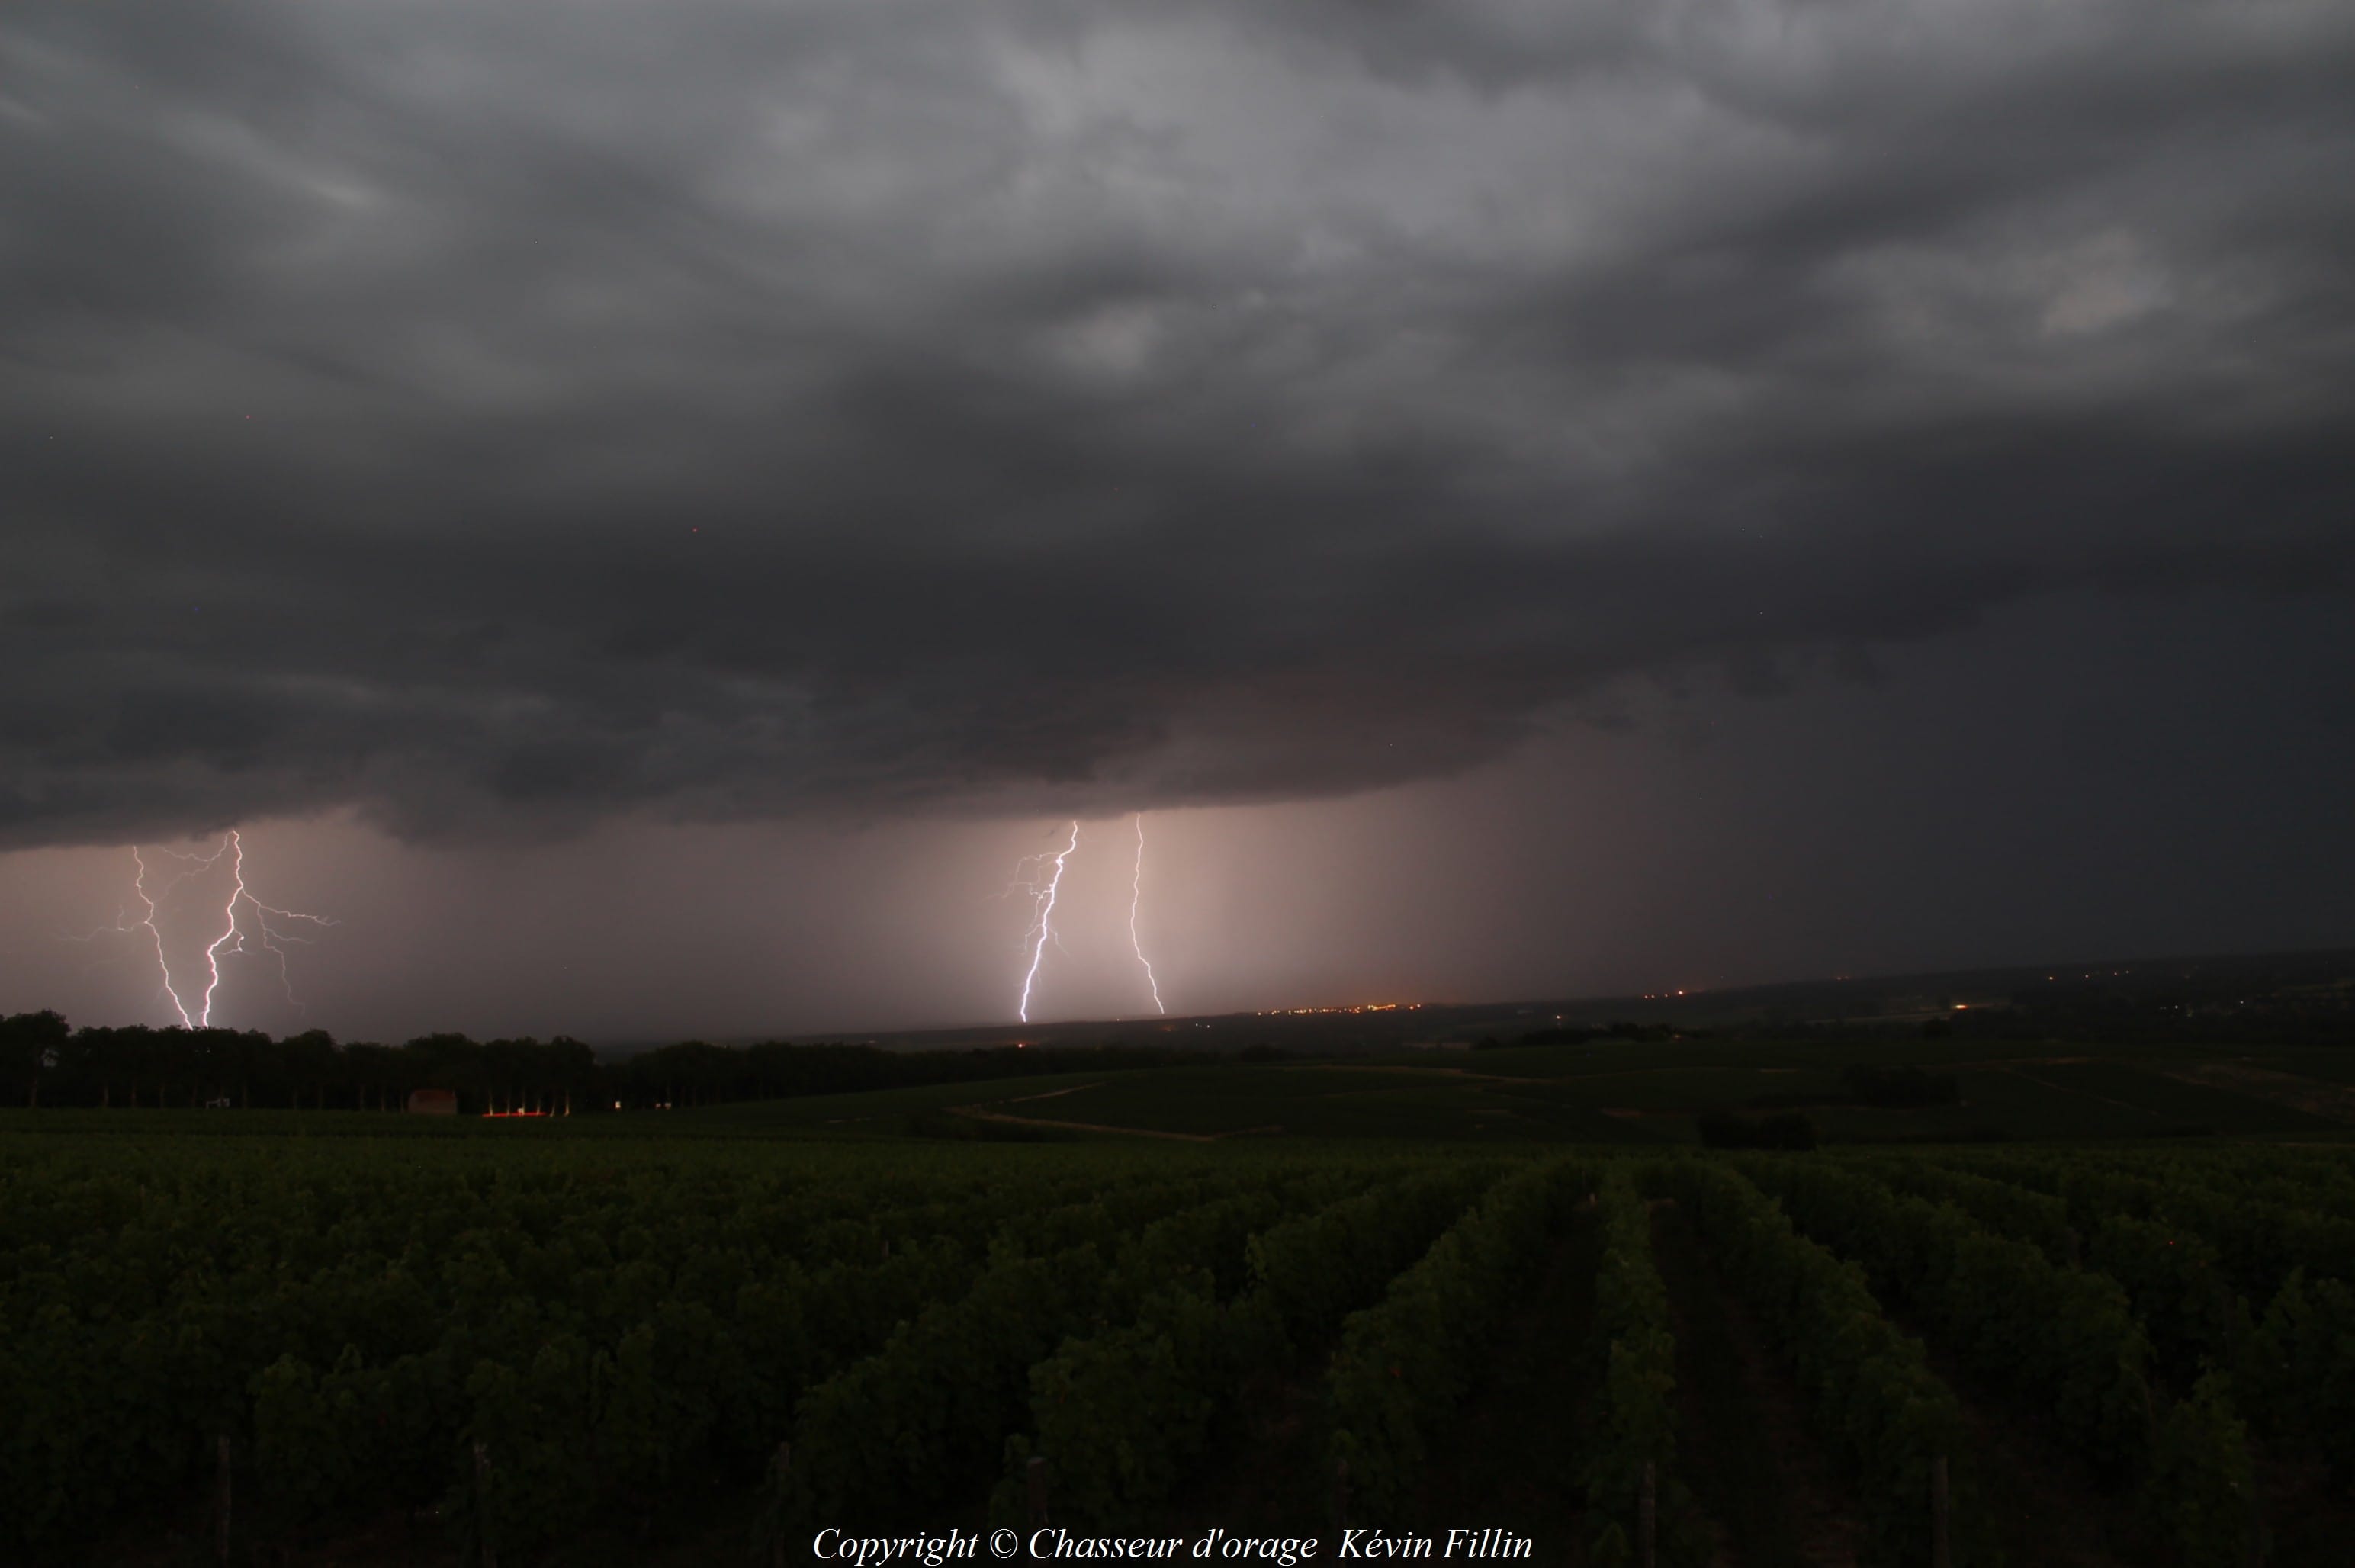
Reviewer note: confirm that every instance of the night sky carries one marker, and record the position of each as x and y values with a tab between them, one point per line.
644	514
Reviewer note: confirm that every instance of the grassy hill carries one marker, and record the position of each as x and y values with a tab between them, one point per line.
1615	1092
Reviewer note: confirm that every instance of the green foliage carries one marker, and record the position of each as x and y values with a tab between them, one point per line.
615	1329
1870	1394
927	1412
532	1422
2261	1231
2188	1234
2299	1372
1634	1417
1122	1413
897	1430
2203	1485
629	1327
1308	1274
2037	1218
1403	1366
2173	1277
2175	1281
2050	1335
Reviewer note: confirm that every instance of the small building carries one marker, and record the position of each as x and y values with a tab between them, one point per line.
433	1101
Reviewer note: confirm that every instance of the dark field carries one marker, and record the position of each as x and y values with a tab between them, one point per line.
2099	1291
1631	1094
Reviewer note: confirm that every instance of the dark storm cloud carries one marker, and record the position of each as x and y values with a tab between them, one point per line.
500	417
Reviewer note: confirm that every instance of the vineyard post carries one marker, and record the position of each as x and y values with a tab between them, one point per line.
220	1522
784	1463
1647	1516
2255	1554
1341	1493
1941	1552
1037	1472
482	1506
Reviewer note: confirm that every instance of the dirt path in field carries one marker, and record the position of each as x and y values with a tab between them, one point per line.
1743	1442
2312	1095
1049	1095
1413	1072
982	1112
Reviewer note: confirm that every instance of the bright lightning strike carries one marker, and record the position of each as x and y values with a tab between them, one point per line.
194	863
1043	928
1136	897
231	942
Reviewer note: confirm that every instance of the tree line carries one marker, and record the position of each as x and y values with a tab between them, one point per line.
45	1061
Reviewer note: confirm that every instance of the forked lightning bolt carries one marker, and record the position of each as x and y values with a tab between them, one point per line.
1136	897
1043	928
1040	878
232	939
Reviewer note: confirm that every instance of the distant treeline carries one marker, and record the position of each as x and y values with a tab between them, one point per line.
45	1061
2215	1015
1584	1034
2181	1018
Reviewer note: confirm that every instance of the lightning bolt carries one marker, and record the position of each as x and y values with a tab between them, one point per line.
1042	930
140	887
1137	897
194	863
231	942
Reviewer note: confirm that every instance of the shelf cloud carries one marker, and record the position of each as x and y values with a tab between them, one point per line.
501	419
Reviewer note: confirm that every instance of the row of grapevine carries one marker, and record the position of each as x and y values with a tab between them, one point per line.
1634	1437
673	1398
2293	1367
2298	1372
926	1414
1402	1366
2318	1179
1123	1413
1873	1398
2269	1226
580	1423
2041	1332
2020	1213
2172	1276
2048	1335
431	1222
2259	1241
644	1318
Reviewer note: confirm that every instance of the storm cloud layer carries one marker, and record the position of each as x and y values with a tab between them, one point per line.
500	417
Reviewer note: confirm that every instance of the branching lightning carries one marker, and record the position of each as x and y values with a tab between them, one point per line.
1042	929
1040	879
193	863
1136	897
232	940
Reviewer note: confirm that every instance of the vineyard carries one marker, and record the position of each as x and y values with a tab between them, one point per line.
375	1349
